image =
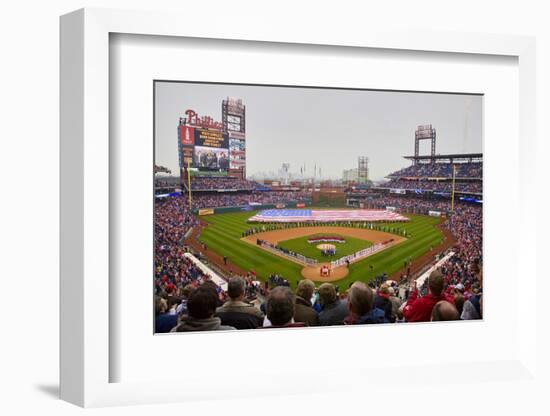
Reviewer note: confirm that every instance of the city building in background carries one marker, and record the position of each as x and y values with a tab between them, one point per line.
350	175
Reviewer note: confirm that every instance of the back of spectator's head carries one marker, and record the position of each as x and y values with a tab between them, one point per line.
444	311
391	291
327	293
280	306
160	305
305	289
211	284
360	298
186	291
202	302
435	283
235	287
384	289
173	300
459	301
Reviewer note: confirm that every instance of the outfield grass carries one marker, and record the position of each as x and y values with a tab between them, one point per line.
223	235
301	246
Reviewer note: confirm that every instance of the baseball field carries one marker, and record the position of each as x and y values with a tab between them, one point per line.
223	235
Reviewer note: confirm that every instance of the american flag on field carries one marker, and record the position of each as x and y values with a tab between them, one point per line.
299	215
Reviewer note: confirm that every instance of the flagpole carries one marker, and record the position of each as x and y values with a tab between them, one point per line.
189	181
453	192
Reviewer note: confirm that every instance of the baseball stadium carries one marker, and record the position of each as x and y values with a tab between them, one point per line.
237	253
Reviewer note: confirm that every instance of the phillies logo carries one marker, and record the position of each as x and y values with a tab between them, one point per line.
207	122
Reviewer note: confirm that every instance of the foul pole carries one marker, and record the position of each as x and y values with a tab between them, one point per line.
453	191
189	181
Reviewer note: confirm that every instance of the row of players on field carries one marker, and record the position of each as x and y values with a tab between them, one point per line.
284	226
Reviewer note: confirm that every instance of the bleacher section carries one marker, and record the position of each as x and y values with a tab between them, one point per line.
472	170
436	175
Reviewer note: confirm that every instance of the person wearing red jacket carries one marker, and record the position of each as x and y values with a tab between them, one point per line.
419	309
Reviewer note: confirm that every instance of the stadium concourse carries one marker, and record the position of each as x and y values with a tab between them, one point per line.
187	297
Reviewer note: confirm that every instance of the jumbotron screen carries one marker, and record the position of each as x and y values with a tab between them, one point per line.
204	149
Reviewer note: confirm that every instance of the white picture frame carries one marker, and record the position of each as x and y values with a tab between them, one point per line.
85	353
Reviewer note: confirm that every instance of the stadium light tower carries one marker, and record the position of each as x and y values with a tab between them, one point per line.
424	132
363	169
285	169
453	190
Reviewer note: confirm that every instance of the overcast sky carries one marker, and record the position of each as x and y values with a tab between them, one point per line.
324	127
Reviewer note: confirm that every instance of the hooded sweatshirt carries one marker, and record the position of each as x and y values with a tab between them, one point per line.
189	323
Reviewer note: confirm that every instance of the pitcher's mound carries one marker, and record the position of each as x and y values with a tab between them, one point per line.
314	273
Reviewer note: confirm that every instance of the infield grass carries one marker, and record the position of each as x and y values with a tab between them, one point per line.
300	245
223	235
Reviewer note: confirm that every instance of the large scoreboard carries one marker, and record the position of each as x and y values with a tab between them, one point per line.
203	149
208	146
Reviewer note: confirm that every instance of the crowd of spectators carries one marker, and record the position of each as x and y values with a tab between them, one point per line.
475	187
440	170
228	199
409	203
463	272
159	183
205	310
221	182
172	222
175	275
309	306
462	277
